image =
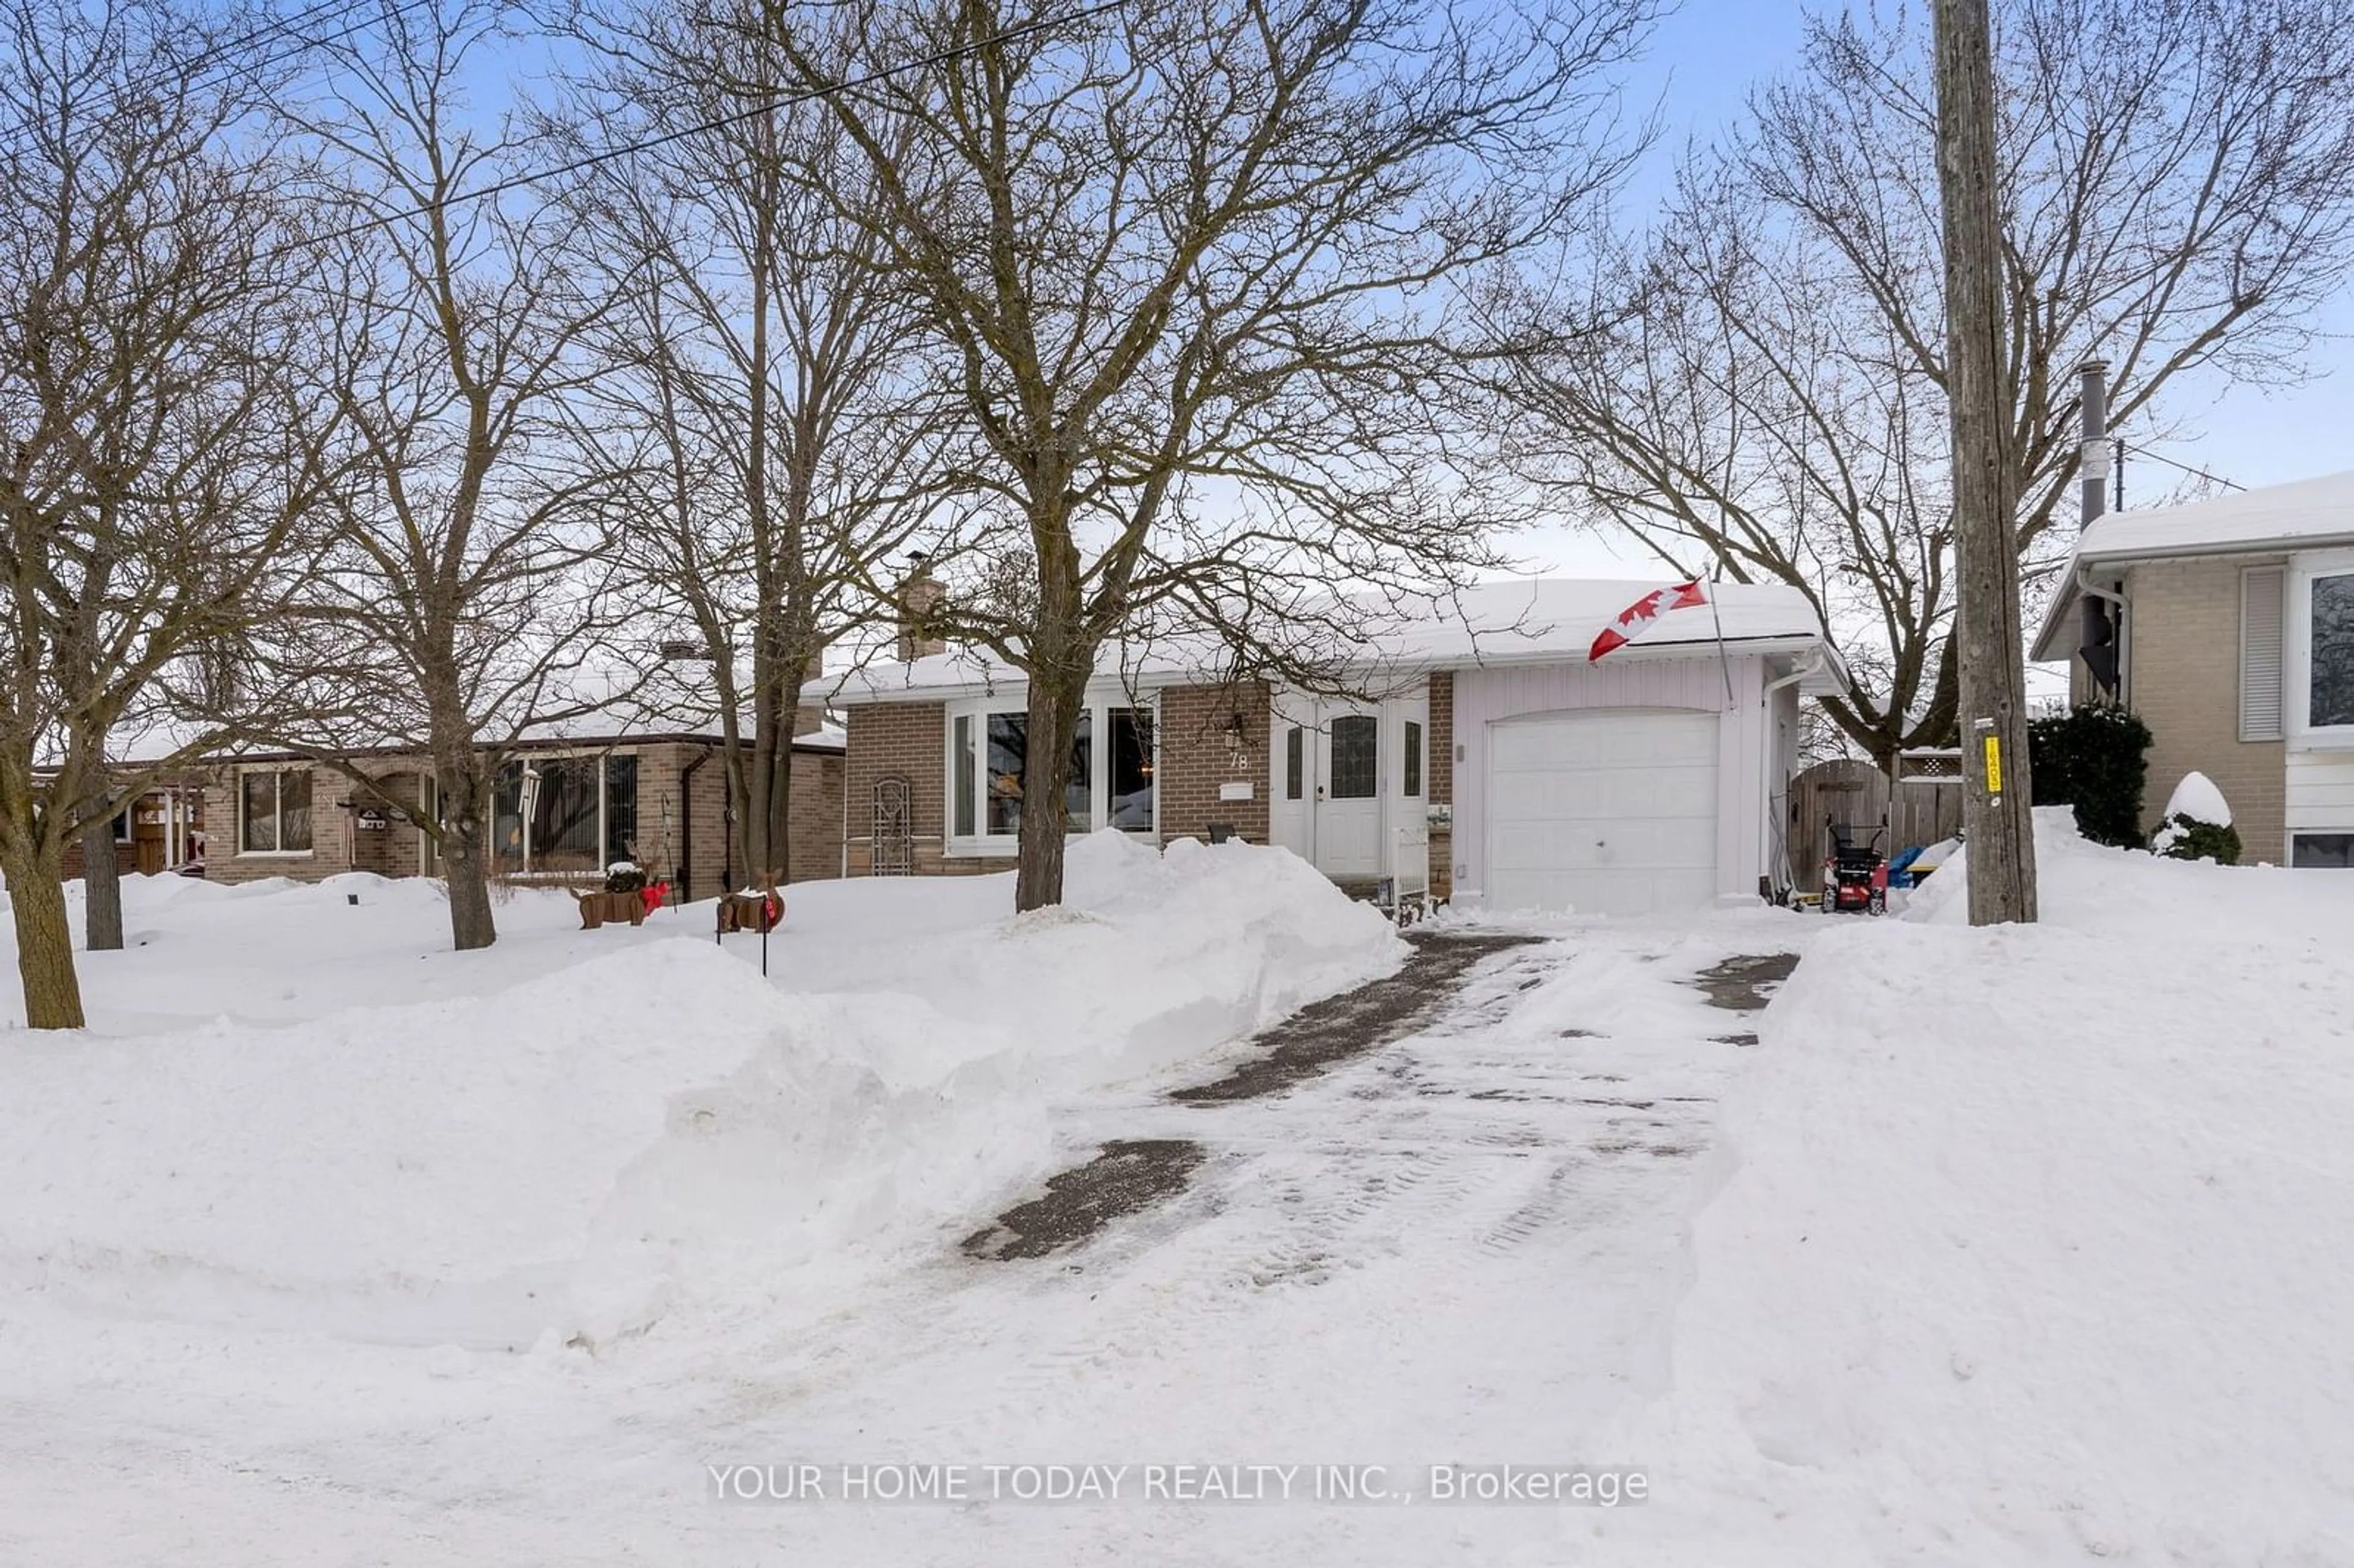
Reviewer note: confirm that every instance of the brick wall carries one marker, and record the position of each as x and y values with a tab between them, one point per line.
1441	783
331	831
814	818
1200	751
910	741
2185	683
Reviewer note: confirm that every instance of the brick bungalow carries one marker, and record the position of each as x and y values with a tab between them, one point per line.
568	808
1487	760
2228	625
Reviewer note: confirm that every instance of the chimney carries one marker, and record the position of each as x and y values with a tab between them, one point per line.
810	716
921	595
2099	650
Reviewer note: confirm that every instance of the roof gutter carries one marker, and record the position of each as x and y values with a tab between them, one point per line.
2278	544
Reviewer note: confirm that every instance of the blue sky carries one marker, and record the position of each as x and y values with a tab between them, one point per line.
1702	61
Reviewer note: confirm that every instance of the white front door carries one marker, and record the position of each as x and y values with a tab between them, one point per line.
1349	793
1605	811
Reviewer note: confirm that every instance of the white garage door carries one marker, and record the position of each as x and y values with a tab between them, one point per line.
1611	812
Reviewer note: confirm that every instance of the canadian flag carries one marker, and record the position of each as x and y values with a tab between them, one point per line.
1638	618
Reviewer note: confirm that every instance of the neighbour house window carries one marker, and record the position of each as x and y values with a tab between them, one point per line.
2261	596
2335	851
2329	688
274	812
564	815
1293	753
989	755
621	808
1356	746
1413	757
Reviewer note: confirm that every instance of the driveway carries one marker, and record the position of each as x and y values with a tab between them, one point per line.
1459	1244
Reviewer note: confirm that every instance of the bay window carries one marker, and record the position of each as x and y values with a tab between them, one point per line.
989	756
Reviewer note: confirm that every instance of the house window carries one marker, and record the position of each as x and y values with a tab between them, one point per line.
988	764
565	815
961	770
1356	745
1008	757
2329	684
1129	791
1294	754
1413	757
274	812
2335	851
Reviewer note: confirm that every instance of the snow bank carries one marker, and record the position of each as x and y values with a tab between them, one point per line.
591	1150
2034	1243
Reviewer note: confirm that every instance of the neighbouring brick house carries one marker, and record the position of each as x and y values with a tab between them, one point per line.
567	809
2228	625
1485	758
161	829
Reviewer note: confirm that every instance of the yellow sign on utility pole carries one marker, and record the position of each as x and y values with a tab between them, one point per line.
1993	764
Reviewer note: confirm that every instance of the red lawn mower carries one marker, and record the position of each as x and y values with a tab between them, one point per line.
1855	875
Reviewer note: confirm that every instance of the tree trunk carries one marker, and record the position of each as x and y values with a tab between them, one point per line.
37	902
1057	693
780	798
1993	718
101	887
465	867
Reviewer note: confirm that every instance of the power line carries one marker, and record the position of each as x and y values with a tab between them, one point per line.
2184	467
607	154
184	73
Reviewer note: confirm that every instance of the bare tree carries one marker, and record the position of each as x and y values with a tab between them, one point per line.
761	384
465	603
2176	196
1198	272
159	468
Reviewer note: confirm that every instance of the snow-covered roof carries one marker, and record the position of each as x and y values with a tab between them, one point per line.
1518	621
2303	515
2308	512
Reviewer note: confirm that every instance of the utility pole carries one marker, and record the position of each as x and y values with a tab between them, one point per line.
1995	815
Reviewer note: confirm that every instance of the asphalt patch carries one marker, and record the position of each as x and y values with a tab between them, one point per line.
1130	1174
1739	983
1324	1032
1126	1175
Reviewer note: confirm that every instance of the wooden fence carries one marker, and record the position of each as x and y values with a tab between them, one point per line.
1856	792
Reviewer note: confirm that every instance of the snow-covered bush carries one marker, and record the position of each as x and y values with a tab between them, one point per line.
2198	824
623	877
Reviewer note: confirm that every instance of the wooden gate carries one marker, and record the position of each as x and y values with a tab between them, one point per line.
1856	792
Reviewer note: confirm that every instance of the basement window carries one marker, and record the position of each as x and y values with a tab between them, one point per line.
2332	851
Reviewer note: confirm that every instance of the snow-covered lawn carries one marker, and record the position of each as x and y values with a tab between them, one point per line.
334	1248
2035	1246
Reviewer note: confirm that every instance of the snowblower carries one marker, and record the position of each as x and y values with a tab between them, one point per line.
1855	875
